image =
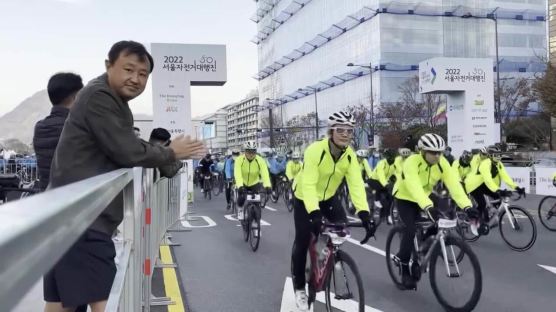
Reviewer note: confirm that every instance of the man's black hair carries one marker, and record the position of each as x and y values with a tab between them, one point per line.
160	134
62	85
130	47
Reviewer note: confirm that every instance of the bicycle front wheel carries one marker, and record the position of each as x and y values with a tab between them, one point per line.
255	227
547	212
392	261
517	228
457	285
345	285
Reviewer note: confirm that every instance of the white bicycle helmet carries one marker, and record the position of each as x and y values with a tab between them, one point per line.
250	145
404	152
362	153
341	118
431	142
296	155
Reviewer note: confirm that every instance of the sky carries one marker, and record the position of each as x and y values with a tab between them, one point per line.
41	37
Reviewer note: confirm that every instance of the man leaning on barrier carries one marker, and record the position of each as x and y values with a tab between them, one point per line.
98	137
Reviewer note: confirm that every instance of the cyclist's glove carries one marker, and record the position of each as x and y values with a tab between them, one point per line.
268	190
241	190
368	224
472	213
316	222
520	190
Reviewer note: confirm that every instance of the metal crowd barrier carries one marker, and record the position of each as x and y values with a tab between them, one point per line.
26	170
36	231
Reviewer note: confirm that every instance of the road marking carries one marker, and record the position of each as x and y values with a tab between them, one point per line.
208	220
171	285
548	268
232	218
368	247
270	208
288	301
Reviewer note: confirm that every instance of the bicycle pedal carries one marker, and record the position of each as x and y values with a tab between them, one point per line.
343	297
455	274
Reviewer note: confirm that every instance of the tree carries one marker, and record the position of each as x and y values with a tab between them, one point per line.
515	98
362	115
545	89
530	132
423	107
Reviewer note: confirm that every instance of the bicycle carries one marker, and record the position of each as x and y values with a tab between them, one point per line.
251	222
279	188
288	196
427	251
547	212
327	266
517	218
207	186
218	184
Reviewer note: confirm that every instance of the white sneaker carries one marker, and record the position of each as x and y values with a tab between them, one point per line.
301	300
378	204
474	227
240	214
390	221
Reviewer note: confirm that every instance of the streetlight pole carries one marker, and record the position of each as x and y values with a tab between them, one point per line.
315	90
372	114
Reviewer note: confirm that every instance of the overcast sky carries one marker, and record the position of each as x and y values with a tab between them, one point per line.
41	37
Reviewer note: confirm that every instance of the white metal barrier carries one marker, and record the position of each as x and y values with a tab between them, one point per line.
36	231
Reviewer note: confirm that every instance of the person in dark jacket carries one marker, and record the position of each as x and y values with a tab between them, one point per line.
62	89
98	138
162	137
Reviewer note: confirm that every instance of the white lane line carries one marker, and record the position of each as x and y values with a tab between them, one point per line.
288	301
548	268
232	218
270	208
368	247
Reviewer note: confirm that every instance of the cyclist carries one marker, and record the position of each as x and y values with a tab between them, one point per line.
421	172
380	179
277	168
229	175
293	166
374	157
486	180
205	168
403	152
463	165
249	171
366	171
326	163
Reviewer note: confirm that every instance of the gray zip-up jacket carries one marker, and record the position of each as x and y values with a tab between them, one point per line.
97	138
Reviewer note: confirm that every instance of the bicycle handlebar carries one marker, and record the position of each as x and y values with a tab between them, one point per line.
350	224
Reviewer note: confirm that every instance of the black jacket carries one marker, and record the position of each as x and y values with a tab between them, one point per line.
45	139
97	138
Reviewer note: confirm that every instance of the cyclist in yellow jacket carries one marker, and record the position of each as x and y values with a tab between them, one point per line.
463	165
421	172
366	171
326	163
250	171
382	175
486	180
398	163
293	167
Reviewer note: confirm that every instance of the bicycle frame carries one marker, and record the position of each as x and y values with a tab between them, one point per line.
336	236
445	226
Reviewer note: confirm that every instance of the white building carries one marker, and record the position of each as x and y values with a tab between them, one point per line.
307	44
213	130
243	123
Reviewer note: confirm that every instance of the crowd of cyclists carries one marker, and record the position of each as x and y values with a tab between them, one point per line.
409	180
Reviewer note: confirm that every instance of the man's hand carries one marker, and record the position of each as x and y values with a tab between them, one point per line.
472	213
186	148
368	223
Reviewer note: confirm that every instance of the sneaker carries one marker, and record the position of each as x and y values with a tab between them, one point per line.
301	300
390	221
240	213
408	281
378	204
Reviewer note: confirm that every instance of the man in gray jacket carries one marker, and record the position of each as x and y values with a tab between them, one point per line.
97	138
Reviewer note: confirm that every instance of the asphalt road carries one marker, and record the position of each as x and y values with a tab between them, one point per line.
220	272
